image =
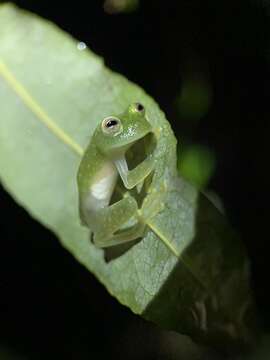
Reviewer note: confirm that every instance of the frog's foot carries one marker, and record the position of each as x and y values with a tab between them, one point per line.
119	223
121	237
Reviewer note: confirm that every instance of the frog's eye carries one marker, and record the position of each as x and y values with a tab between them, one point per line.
139	108
111	125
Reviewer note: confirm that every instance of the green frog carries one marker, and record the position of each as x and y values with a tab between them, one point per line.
103	162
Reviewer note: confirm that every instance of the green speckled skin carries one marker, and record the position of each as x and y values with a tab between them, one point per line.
98	173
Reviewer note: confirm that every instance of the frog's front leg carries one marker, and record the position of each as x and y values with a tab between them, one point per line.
111	219
133	177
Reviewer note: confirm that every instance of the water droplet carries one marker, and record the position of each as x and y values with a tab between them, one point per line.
81	46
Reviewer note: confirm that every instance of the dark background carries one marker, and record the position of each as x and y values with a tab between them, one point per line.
51	307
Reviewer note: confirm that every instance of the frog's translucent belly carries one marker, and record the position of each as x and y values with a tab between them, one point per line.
101	189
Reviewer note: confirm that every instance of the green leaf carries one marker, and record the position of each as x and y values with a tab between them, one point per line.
195	97
7	354
262	352
196	164
120	6
190	272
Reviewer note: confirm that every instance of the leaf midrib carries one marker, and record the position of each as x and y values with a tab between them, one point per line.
42	116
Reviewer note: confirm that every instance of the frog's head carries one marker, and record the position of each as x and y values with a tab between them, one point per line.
116	134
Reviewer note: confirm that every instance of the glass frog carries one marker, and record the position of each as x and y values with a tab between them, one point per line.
104	160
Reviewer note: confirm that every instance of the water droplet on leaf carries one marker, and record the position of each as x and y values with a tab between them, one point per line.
81	46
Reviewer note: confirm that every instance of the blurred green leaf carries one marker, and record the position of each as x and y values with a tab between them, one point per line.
7	354
261	352
190	272
120	6
195	97
196	163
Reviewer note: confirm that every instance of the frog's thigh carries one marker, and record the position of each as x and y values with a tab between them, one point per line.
112	218
125	236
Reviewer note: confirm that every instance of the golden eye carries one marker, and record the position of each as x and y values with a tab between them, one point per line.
111	125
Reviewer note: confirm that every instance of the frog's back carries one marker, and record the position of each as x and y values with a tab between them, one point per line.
96	181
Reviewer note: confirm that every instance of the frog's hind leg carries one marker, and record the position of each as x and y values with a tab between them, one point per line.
110	220
133	233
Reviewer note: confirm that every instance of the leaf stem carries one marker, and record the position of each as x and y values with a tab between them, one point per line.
42	116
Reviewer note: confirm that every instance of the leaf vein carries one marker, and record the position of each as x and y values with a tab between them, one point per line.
163	238
33	105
